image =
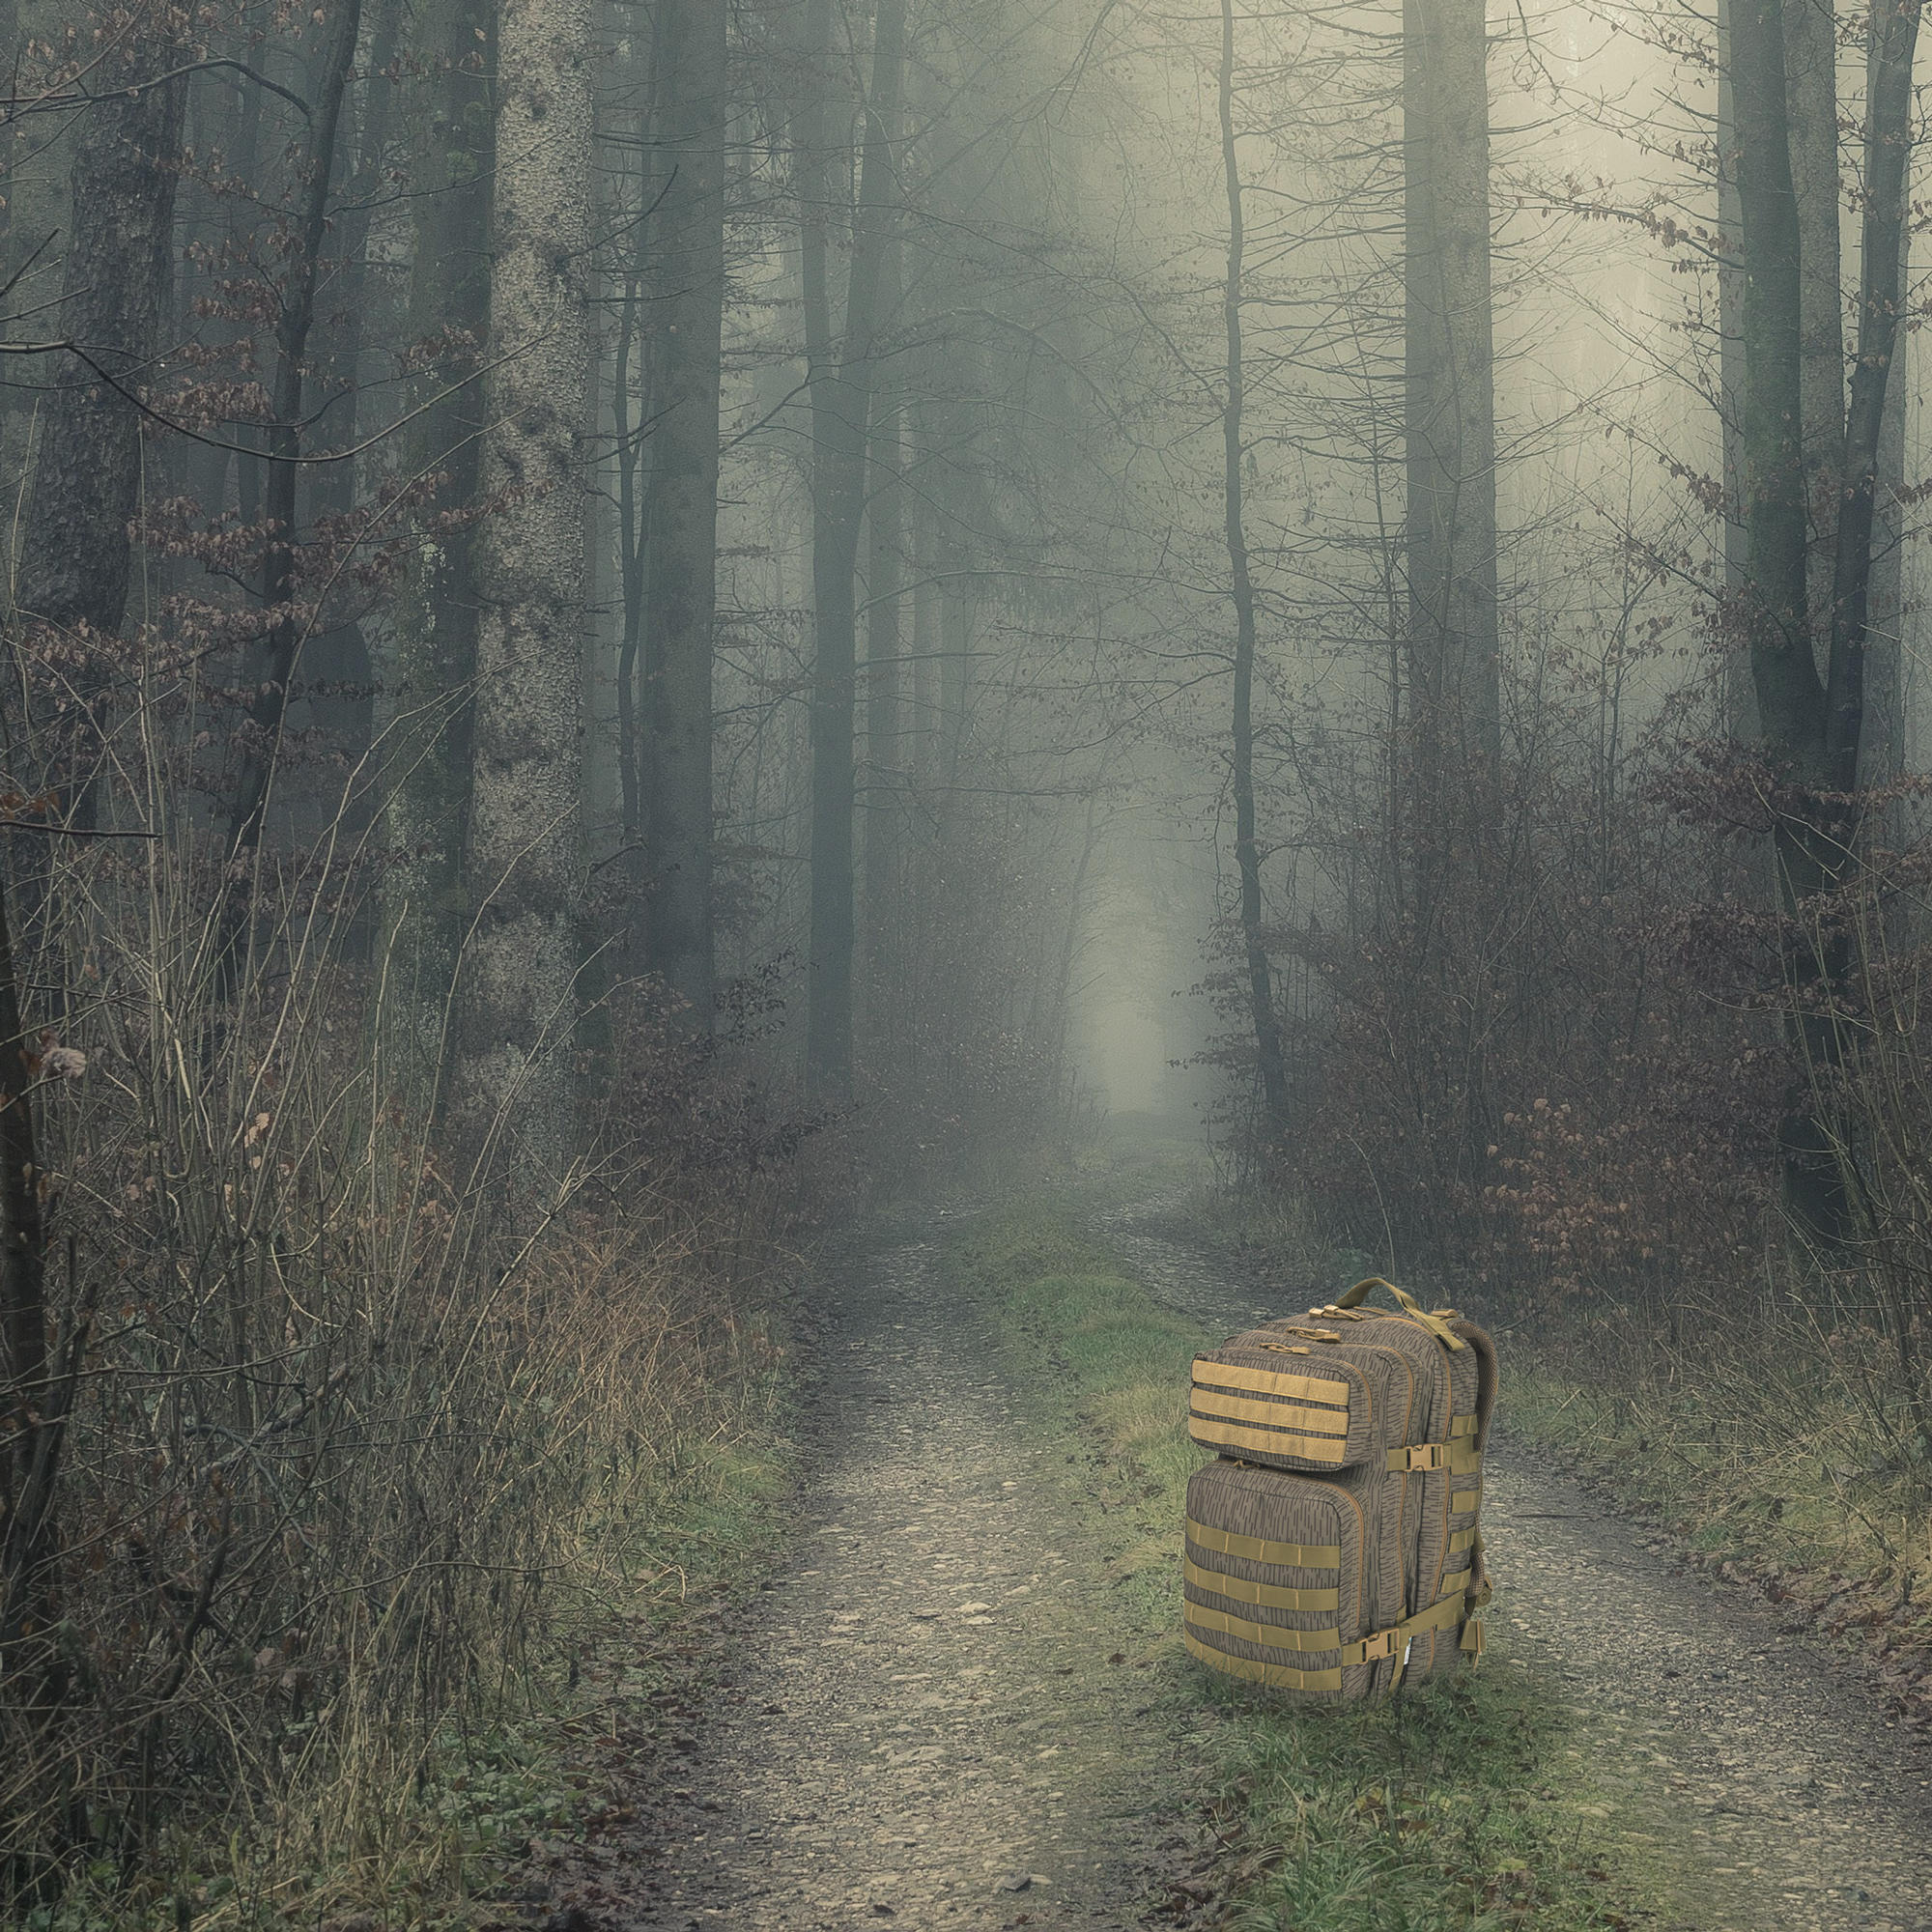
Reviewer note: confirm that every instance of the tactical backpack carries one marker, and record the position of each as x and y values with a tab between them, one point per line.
1333	1548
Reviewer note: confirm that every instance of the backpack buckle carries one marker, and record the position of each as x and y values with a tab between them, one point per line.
1421	1456
1381	1645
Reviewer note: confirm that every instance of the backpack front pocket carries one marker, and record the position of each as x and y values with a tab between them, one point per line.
1247	1402
1274	1579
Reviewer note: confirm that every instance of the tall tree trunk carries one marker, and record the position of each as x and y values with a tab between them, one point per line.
26	1381
682	558
841	381
885	581
1881	749
1741	701
1812	727
958	612
1874	396
927	611
632	410
1774	478
885	702
13	128
1449	411
431	667
272	662
1811	104
337	660
76	541
1269	1055
515	1019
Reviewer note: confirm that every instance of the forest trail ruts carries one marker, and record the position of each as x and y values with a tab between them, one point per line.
919	1713
1745	1764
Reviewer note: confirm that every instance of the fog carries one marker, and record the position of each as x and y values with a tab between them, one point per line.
636	631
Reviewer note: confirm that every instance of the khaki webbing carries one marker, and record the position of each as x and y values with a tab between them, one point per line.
1270	1636
1472	1638
1465	1499
1461	1425
1446	1614
1443	1615
1263	1596
1260	1549
1269	1441
1465	1459
1277	1414
1271	1381
1277	1676
1463	1539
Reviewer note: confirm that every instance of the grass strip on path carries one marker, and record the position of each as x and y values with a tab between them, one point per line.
1451	1808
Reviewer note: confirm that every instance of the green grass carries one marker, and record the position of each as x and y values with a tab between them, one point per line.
1457	1807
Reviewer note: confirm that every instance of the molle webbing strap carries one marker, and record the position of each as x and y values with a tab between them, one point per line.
1461	1425
1391	1643
1274	1676
1463	1539
1268	1441
1465	1500
1275	1415
1262	1549
1330	1389
1263	1596
1269	1636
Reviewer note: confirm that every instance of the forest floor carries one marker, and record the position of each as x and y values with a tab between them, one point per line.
958	1699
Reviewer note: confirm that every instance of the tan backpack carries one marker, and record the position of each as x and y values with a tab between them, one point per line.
1333	1548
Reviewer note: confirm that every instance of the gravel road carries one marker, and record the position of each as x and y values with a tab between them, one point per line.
920	1723
923	1727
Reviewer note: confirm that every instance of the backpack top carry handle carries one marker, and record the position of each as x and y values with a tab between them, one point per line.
1437	1323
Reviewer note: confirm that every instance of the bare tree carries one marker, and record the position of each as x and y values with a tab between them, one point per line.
522	865
1248	849
1814	724
1449	408
432	665
842	376
272	662
680	595
76	541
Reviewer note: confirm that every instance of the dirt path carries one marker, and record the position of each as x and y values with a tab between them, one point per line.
921	1724
1745	1764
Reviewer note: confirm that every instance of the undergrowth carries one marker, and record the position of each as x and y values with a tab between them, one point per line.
1765	1443
667	1499
1457	1807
